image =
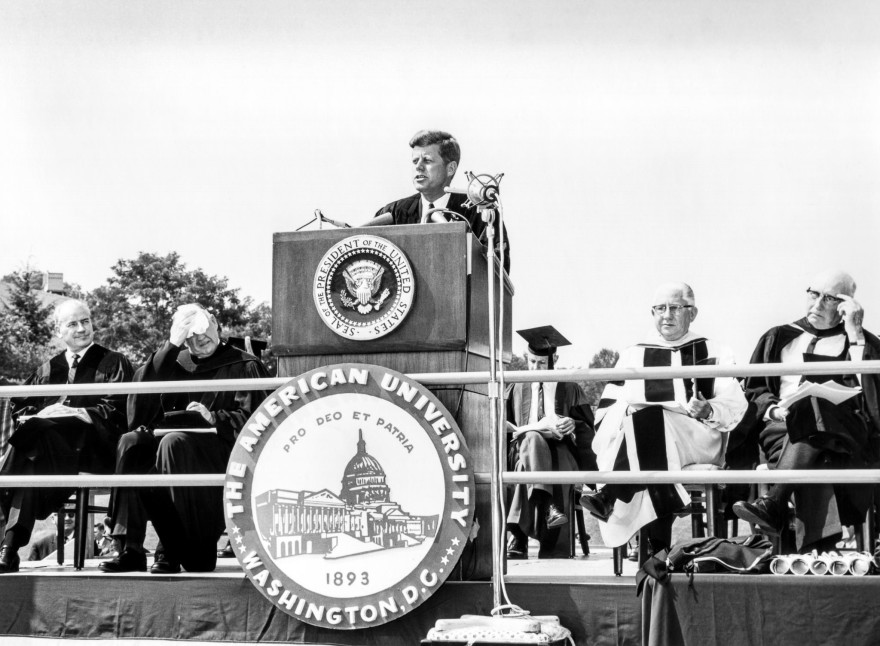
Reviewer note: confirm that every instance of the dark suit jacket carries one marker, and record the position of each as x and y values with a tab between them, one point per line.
570	402
408	211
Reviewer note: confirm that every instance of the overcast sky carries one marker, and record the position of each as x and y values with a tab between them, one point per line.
734	145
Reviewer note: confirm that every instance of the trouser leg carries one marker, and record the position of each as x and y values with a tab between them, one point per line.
135	454
39	447
795	455
189	520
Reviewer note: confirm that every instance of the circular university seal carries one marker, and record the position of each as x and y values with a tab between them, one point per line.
349	496
364	287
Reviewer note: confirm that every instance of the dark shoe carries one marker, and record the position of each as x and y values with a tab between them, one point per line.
517	549
599	504
555	517
9	560
765	513
226	552
127	561
164	565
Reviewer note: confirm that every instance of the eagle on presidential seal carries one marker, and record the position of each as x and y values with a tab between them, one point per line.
363	279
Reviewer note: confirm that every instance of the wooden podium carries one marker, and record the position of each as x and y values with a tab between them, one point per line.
446	330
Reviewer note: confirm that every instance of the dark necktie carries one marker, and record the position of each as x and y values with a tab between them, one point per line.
71	373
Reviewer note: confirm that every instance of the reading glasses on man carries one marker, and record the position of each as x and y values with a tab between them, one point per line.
827	299
673	309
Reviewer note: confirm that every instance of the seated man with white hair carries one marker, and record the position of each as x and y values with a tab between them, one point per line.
813	432
189	432
661	424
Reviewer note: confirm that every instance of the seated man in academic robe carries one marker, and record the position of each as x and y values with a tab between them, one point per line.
435	158
549	428
190	432
61	435
661	424
813	432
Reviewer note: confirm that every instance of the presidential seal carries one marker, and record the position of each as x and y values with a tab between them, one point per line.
364	287
349	496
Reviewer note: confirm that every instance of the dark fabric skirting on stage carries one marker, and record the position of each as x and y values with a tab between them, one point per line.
232	609
756	610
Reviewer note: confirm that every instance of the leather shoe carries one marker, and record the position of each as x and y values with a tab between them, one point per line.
765	513
599	504
517	549
9	559
127	561
555	517
164	565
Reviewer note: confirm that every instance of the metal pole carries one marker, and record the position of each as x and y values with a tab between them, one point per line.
488	215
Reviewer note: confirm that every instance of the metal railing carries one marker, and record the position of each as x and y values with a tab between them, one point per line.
836	476
839	476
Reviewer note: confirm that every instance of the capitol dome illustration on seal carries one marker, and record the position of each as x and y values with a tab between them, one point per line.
363	480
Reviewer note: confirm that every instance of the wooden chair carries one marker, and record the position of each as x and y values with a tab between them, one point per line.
82	503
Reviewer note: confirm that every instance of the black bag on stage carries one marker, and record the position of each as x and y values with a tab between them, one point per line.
741	554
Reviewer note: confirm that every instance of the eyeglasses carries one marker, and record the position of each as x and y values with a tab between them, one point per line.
675	310
827	299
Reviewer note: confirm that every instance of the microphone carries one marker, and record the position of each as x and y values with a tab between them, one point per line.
481	190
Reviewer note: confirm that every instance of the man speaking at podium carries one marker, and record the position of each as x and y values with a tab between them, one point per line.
435	158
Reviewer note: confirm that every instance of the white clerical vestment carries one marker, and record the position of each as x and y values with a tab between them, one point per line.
685	440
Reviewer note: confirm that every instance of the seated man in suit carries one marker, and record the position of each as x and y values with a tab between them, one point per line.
549	428
435	158
661	424
813	432
188	520
62	435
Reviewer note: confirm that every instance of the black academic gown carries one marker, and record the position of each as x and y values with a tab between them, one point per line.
408	211
850	440
188	520
67	445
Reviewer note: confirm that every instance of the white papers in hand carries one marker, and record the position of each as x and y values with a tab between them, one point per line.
830	390
159	432
674	407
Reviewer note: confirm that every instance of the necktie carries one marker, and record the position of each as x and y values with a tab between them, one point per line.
71	373
540	401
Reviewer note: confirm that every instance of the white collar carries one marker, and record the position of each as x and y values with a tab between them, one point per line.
656	339
70	354
439	203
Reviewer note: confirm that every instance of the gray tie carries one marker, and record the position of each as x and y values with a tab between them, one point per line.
71	373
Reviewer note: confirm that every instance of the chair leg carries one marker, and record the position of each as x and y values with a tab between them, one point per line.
81	528
571	521
643	546
711	509
698	529
59	536
582	532
868	529
618	555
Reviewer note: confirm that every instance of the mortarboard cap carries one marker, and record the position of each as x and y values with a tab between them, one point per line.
257	346
543	341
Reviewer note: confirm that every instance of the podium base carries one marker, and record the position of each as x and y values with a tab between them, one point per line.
520	629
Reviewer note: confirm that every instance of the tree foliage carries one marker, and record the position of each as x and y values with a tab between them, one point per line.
133	311
605	358
25	325
518	362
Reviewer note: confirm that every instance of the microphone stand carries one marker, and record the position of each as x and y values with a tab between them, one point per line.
487	212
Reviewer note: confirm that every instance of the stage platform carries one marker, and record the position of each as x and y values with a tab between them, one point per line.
55	602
